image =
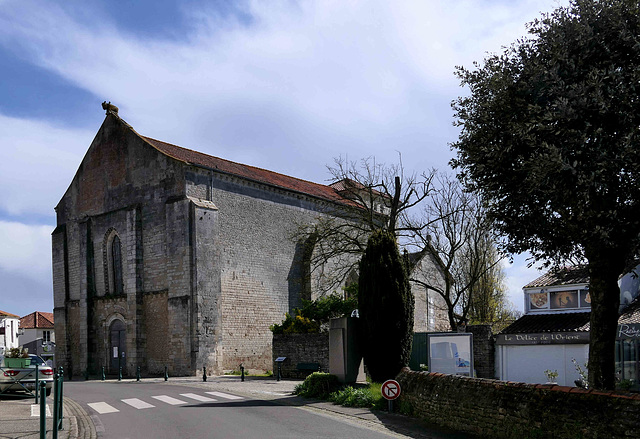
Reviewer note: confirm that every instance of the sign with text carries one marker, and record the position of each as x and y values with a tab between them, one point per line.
629	330
543	338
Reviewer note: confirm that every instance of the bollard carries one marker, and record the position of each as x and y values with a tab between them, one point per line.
56	395
166	373
103	375
204	373
120	374
60	412
138	374
241	373
37	386
43	410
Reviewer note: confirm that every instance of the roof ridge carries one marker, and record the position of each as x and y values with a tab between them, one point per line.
227	160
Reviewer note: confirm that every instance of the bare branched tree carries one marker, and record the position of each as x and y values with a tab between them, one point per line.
460	235
381	196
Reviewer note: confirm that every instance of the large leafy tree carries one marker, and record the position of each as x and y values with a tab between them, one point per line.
551	138
385	305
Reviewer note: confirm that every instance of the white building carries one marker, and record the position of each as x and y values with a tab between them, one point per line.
8	331
553	334
37	334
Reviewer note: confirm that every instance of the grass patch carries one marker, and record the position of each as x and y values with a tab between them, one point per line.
326	386
353	397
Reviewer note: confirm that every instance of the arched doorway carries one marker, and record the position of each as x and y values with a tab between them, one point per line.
118	345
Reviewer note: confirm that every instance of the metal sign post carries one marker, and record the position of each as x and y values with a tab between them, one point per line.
279	360
390	390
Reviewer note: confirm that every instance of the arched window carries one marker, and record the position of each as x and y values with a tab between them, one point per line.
113	274
116	264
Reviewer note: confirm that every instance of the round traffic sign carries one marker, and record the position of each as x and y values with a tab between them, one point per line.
390	389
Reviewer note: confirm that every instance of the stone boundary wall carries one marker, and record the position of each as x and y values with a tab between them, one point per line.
483	350
301	348
499	409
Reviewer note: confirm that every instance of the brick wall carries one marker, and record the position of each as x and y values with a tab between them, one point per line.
301	348
499	409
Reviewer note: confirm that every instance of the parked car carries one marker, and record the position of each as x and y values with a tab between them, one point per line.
24	379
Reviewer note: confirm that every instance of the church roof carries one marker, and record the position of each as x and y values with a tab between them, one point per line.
249	172
37	319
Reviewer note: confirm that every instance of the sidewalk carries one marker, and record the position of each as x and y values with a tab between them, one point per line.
20	418
16	420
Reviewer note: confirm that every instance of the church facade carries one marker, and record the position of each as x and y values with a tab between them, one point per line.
164	256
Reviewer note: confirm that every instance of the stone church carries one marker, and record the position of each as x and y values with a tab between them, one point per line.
164	256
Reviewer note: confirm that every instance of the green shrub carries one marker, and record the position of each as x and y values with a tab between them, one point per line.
314	314
318	385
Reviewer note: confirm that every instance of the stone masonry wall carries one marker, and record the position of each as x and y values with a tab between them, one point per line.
499	409
257	261
301	348
155	318
123	184
484	358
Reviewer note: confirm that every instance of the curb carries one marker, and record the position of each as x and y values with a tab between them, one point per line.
81	425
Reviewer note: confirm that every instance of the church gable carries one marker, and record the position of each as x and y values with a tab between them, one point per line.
117	168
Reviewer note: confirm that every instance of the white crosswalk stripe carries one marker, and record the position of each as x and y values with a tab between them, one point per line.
169	400
138	403
103	407
198	397
224	395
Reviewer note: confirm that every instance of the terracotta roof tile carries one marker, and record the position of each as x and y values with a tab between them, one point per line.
249	172
578	274
37	319
8	314
561	322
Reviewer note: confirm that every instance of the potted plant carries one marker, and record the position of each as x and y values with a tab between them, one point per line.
17	357
552	376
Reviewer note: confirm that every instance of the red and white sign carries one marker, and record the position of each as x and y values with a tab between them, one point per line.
390	389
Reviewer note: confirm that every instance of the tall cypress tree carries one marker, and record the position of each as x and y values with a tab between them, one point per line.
386	307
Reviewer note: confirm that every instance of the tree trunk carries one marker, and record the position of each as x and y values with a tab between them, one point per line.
605	266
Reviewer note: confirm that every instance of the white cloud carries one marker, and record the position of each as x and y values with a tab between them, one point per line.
26	250
38	162
300	85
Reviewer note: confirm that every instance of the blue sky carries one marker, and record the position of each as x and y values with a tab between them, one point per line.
283	85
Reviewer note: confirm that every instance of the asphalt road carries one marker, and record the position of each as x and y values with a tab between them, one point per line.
158	410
